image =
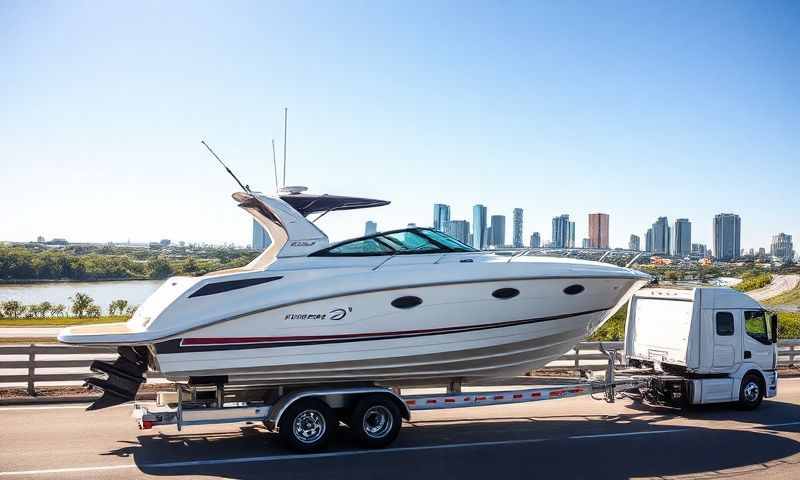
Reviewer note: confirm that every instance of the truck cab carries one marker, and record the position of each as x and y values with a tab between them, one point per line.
712	344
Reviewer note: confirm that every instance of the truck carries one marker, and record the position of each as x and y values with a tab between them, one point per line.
705	345
682	347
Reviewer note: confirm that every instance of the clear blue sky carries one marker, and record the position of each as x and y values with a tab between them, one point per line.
637	109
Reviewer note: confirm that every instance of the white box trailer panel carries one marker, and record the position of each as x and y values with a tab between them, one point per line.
662	325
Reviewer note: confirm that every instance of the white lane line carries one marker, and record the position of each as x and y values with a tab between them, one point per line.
53	407
626	434
67	470
787	424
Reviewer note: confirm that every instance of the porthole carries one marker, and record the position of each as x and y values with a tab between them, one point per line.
574	289
505	293
406	302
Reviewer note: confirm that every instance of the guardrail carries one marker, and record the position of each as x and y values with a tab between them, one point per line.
586	355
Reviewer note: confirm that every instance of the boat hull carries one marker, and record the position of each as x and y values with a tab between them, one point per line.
457	332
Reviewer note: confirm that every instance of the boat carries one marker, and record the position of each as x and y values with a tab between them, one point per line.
403	307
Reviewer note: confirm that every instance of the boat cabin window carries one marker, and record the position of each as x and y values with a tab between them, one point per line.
398	242
368	246
410	241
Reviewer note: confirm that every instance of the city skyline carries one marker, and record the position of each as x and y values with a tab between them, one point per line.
579	112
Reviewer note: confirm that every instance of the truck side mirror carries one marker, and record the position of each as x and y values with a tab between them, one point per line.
773	323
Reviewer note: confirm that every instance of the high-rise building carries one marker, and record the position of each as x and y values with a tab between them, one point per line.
441	215
370	228
661	236
563	232
782	247
648	240
517	235
682	233
479	239
536	240
459	229
598	230
699	249
260	238
727	236
762	252
634	243
586	243
498	236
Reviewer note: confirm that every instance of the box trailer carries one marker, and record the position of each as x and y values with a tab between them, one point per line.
710	344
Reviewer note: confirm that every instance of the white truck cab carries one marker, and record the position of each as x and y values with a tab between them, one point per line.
712	345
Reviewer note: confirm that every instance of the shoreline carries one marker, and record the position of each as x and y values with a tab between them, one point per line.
70	280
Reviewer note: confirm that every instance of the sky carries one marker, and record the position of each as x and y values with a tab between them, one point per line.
635	109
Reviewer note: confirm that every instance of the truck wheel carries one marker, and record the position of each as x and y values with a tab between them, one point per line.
376	421
751	392
307	425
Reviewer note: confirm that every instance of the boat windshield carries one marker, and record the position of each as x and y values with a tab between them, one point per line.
397	242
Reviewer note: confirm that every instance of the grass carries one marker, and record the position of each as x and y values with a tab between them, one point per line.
753	282
27	341
792	297
60	321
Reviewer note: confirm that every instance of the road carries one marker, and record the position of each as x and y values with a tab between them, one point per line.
779	284
571	438
29	332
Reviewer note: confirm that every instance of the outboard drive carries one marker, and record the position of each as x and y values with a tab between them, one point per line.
123	377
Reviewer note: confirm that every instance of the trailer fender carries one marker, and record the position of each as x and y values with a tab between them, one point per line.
331	396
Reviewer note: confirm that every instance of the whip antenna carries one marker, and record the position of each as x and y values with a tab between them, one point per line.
285	120
246	188
275	165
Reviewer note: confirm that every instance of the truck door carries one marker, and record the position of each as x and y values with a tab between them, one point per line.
757	345
727	343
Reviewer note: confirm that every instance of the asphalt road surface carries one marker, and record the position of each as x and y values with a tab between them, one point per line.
570	438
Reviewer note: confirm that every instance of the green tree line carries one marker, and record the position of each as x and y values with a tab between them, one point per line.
21	263
81	306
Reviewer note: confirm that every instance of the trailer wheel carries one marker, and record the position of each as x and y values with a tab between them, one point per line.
307	425
376	421
751	392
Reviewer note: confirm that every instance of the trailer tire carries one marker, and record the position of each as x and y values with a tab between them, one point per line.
751	392
376	421
307	425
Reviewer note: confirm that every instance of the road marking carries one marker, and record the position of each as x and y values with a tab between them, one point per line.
626	434
57	407
67	470
787	424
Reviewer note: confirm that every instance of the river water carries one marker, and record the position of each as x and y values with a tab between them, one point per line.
103	293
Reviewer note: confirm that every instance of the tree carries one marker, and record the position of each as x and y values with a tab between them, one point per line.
58	310
44	308
118	307
80	302
13	309
131	310
93	310
159	268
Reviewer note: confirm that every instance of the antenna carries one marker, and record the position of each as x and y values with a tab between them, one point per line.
246	188
285	121
274	165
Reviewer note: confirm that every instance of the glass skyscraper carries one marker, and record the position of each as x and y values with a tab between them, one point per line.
441	216
479	239
517	237
727	236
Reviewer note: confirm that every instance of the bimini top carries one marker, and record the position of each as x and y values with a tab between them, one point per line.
307	204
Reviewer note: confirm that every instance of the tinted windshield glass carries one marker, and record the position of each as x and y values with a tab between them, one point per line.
368	246
448	241
410	242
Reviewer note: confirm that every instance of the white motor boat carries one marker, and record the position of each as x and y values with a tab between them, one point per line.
411	306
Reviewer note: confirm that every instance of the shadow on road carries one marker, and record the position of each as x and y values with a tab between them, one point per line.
681	450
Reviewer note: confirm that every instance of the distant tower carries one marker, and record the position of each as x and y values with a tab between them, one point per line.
633	243
517	238
598	230
536	240
498	237
459	229
479	239
682	238
370	228
441	216
563	232
727	236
